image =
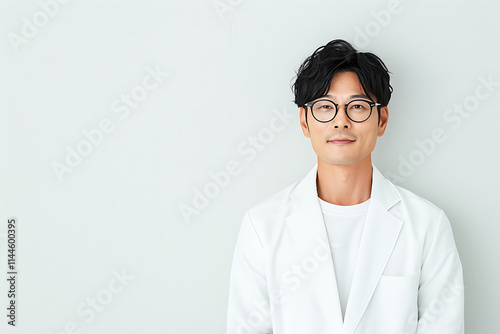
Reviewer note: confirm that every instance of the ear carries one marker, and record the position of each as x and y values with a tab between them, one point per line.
384	119
303	123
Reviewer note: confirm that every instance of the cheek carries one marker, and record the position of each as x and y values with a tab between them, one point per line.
316	142
316	132
368	136
371	139
317	137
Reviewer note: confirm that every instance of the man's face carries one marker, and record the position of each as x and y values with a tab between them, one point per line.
341	141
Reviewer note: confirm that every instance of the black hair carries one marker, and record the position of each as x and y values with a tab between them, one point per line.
315	74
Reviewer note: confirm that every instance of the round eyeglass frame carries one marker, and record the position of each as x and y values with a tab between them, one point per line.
311	104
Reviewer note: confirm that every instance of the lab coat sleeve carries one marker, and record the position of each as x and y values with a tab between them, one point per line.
248	303
441	288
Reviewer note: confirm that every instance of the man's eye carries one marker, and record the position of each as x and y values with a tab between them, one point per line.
358	106
326	107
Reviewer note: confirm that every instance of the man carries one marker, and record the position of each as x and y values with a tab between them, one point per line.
344	250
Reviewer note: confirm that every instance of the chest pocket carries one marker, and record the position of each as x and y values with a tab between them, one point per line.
395	308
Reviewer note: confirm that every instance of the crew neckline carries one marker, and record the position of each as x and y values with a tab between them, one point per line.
345	210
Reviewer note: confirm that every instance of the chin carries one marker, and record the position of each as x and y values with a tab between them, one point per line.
341	162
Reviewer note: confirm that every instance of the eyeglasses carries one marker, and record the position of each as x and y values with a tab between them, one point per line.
325	110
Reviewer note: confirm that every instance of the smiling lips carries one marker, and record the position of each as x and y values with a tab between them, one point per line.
341	141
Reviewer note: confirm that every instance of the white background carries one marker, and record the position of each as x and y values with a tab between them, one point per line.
229	74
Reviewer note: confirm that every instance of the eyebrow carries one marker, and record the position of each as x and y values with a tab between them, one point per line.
351	97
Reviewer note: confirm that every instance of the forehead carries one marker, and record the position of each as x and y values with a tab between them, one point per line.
346	81
346	84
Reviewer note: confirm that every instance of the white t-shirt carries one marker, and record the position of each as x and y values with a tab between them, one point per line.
344	226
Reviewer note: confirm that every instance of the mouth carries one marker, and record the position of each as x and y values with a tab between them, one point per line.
341	141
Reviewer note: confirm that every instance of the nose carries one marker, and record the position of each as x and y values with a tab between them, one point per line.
341	120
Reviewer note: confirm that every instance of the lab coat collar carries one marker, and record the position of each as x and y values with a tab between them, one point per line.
380	233
382	191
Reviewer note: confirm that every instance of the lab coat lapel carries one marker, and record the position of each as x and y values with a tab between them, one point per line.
307	230
379	237
381	230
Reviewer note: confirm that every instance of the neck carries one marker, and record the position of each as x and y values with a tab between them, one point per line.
344	185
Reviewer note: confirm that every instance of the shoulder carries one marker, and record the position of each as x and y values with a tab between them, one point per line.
412	201
418	214
272	205
399	200
268	218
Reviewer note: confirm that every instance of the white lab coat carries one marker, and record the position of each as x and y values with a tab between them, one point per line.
408	275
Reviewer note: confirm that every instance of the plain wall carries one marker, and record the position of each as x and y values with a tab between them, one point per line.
91	210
